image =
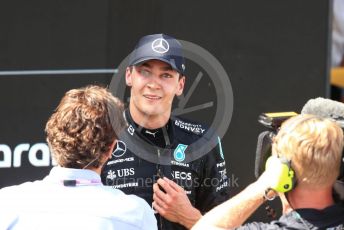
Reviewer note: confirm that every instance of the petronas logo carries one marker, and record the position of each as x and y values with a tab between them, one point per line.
179	152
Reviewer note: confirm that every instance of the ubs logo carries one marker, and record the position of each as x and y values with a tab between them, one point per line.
121	148
113	174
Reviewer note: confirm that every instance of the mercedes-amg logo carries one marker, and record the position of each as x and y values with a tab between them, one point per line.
160	46
121	148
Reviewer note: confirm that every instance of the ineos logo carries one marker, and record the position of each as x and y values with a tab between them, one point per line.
160	46
182	175
121	148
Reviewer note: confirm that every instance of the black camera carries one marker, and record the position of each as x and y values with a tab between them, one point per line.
273	122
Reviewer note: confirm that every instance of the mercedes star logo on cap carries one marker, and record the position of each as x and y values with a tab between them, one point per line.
160	46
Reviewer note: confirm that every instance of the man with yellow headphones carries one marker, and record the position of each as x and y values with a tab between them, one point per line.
305	162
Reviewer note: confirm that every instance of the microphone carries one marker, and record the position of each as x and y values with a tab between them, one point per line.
325	108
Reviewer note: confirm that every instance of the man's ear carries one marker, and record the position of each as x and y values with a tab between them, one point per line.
180	86
128	76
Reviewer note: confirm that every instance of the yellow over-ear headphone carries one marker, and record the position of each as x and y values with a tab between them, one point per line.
283	175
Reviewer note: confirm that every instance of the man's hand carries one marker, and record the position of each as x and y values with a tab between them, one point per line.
173	204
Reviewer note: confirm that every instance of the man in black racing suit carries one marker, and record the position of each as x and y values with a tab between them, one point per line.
177	166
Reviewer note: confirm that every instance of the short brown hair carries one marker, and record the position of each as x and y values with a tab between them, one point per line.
314	145
83	127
